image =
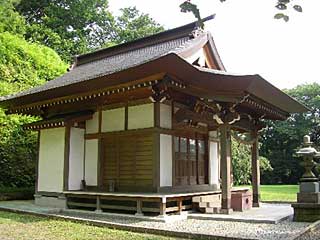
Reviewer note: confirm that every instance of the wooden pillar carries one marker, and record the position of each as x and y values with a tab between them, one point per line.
225	141
66	158
255	170
179	203
163	206
156	148
98	205
139	208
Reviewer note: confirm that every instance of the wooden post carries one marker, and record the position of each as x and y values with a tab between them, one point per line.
163	206
255	169
66	158
98	205
139	208
225	141
179	201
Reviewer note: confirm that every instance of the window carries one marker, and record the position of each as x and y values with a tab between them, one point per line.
183	145
190	161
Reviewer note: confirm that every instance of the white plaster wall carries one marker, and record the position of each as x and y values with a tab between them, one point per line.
165	116
91	162
165	160
76	158
92	125
51	160
214	163
141	116
113	120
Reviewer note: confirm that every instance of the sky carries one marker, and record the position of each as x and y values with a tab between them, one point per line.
249	40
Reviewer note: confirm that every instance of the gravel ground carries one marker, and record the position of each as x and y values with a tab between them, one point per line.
284	230
313	235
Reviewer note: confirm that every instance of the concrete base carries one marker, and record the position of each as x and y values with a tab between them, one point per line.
226	211
307	187
306	212
53	202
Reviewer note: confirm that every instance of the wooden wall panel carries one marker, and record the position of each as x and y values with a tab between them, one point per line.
128	161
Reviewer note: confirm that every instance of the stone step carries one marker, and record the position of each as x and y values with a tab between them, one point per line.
207	198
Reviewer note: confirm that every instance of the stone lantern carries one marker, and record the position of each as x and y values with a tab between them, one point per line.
307	207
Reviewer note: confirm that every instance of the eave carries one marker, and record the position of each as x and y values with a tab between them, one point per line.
203	83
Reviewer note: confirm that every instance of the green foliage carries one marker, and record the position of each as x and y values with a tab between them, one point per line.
74	27
241	163
22	65
10	20
70	26
132	24
281	139
281	5
17	152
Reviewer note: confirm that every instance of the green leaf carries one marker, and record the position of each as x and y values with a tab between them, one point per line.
281	6
279	16
298	8
284	1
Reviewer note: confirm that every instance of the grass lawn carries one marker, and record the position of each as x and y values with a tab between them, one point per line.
21	227
286	193
278	193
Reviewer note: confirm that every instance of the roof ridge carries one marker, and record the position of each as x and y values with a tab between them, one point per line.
171	34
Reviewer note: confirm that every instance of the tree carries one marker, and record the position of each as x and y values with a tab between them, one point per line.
69	26
241	163
282	139
74	27
22	65
10	20
132	24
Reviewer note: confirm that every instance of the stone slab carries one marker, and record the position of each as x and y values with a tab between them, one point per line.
307	187
266	213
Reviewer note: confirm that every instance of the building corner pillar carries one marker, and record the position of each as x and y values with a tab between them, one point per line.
225	145
255	169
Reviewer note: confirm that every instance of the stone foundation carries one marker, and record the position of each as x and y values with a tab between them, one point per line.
306	212
54	202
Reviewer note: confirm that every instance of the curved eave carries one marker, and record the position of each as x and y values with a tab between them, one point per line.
206	82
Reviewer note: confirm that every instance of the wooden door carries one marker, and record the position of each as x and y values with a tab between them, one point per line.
110	164
128	161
